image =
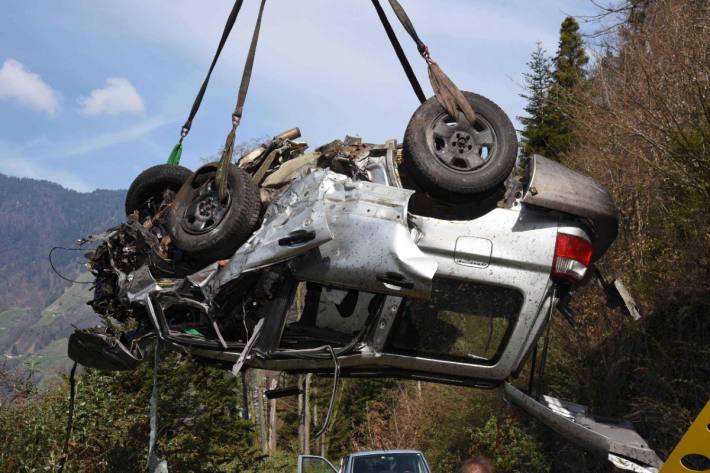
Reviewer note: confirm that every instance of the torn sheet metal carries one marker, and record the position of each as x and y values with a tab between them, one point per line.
372	248
628	465
345	219
617	295
293	224
601	436
101	351
291	170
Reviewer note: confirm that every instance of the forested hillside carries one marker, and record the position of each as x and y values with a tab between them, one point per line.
633	111
37	307
37	215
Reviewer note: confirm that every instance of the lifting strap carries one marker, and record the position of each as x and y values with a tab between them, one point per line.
70	418
177	149
226	159
400	52
448	95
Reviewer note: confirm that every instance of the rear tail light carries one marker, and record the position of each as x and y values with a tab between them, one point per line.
572	257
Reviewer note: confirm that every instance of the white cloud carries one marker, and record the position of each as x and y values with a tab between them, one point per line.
119	96
105	140
23	167
27	88
326	58
44	158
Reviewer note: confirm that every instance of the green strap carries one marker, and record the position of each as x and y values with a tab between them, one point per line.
175	154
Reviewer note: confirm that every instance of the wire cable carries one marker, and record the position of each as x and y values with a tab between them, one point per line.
56	271
331	404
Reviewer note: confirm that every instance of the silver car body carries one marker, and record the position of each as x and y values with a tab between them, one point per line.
390	292
361	235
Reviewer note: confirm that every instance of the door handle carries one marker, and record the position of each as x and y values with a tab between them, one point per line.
297	237
395	279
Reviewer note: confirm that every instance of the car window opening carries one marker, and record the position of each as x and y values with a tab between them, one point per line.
464	321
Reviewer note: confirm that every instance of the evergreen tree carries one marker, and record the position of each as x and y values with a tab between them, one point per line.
568	81
537	84
198	417
571	56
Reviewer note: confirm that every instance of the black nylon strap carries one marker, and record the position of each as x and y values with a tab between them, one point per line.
248	66
400	52
70	418
225	34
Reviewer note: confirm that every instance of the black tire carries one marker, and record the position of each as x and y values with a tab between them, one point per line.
468	161
206	229
146	191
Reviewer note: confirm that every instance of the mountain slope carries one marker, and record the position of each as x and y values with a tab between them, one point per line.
36	215
38	308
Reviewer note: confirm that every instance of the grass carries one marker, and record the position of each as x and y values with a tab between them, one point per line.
73	299
8	318
50	362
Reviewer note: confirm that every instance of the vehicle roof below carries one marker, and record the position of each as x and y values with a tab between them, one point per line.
383	452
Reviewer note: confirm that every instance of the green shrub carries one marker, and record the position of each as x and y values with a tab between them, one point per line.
511	445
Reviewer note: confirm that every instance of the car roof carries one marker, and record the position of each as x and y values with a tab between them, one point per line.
383	452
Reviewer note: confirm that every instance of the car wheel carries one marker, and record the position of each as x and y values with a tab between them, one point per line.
147	191
206	228
452	159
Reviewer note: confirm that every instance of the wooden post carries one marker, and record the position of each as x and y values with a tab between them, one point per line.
307	415
261	411
301	416
304	415
315	411
272	414
245	395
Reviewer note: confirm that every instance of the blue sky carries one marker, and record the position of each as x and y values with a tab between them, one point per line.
94	91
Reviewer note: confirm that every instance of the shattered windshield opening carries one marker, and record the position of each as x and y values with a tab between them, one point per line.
464	321
322	315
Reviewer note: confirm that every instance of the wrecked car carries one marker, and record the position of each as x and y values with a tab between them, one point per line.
425	261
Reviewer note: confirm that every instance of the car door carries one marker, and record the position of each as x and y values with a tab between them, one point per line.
314	464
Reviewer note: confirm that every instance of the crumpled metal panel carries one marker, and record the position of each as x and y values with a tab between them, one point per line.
291	169
574	422
100	351
553	186
348	219
372	248
299	208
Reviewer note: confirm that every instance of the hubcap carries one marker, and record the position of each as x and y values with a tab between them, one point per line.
459	145
206	210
